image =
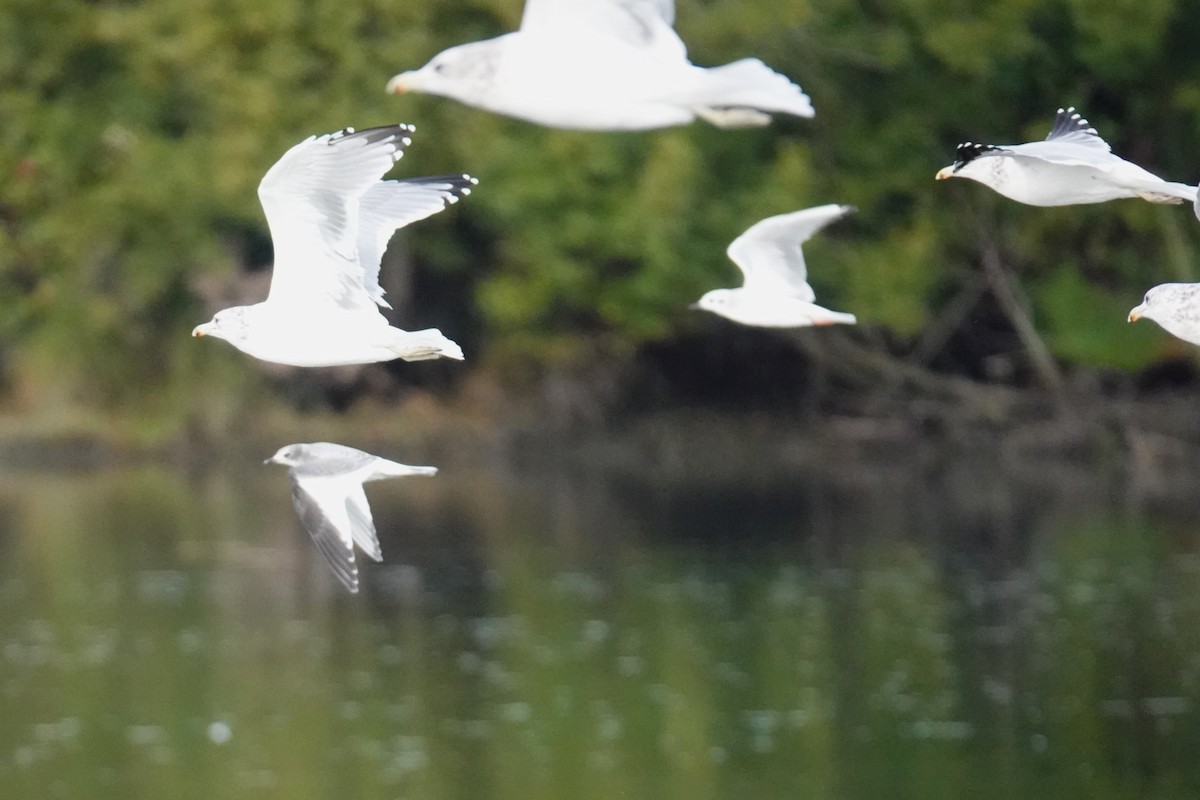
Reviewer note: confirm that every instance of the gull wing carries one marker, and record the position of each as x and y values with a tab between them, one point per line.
311	197
769	252
642	23
1067	154
323	510
1071	142
328	460
1069	126
362	525
389	205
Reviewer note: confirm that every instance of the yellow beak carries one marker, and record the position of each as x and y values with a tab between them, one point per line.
399	84
1136	313
943	173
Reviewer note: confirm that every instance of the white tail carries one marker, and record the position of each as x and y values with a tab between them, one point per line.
426	345
392	469
751	84
1169	192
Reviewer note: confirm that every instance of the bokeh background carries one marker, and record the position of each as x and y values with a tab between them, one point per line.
949	552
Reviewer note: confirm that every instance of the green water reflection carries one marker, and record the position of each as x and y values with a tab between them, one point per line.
562	635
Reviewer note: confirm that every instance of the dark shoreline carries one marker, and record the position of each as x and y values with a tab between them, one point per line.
1153	432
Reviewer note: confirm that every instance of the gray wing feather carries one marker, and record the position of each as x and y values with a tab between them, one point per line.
1070	126
326	460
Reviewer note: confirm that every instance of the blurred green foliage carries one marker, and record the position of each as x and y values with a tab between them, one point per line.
134	135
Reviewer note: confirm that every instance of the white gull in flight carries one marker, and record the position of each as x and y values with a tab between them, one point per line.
331	217
775	292
1073	165
327	491
603	65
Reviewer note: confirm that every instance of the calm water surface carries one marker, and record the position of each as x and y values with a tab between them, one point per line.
945	631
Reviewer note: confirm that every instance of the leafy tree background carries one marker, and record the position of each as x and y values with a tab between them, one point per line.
134	135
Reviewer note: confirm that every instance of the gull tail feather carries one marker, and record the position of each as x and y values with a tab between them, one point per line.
393	469
1169	192
427	345
747	85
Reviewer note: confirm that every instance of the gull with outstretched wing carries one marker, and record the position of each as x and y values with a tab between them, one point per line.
327	492
775	292
330	218
1073	165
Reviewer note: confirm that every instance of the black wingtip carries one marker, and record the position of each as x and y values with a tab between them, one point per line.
1068	121
967	152
458	186
400	133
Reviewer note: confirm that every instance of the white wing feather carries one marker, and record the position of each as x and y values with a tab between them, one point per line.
644	24
311	198
322	508
389	205
1066	153
769	252
362	525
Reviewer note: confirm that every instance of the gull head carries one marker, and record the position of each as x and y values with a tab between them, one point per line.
462	73
717	301
230	325
289	455
967	163
1161	299
1175	307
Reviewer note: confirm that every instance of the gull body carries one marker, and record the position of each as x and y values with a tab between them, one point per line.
1174	306
327	492
768	310
603	65
319	336
331	217
1072	166
775	292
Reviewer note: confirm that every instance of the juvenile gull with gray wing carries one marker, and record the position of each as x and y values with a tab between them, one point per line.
327	491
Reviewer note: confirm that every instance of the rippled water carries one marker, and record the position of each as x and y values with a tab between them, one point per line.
947	631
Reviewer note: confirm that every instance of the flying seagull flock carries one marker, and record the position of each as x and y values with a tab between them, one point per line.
597	65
